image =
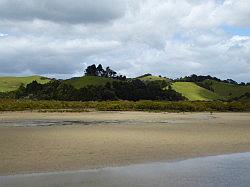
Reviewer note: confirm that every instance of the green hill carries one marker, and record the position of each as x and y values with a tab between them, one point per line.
227	90
194	92
79	82
13	83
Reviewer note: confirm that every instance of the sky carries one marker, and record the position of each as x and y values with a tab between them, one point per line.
172	38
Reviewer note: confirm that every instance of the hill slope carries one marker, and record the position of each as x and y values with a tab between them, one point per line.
79	82
227	90
194	92
13	83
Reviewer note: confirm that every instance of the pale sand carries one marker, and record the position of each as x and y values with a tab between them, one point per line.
117	138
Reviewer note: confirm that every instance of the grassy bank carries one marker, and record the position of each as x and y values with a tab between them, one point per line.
184	106
194	92
12	83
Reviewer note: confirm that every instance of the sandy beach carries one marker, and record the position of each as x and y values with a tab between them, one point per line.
100	139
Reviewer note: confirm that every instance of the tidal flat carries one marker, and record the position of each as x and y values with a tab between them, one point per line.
32	142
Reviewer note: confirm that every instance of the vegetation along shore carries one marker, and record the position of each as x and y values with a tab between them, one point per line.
168	106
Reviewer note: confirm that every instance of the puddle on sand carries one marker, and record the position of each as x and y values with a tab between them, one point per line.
33	123
58	122
224	170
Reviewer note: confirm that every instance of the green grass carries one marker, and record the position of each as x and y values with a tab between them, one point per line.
80	82
13	83
193	92
227	90
153	78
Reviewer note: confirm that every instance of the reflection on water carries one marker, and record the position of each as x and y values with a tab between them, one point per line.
224	170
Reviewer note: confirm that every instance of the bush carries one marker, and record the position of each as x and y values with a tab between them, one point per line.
146	105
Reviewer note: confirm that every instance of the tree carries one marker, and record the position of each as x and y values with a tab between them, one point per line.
230	81
66	92
242	84
33	87
91	71
100	70
21	92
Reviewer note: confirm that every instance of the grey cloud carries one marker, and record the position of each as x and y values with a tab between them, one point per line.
47	56
69	11
167	37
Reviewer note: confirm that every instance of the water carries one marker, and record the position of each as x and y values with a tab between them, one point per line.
43	123
113	121
225	170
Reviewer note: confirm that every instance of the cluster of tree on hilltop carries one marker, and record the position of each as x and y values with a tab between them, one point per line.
145	75
201	78
118	90
94	70
197	78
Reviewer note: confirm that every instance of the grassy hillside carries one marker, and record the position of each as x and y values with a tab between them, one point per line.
194	92
153	78
13	83
227	90
79	82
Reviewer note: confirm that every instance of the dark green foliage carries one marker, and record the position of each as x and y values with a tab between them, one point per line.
197	78
206	85
7	95
124	90
91	71
230	81
99	71
201	78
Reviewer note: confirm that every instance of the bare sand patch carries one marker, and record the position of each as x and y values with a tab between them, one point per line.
116	138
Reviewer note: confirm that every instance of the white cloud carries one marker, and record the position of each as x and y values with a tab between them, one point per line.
235	13
2	34
77	11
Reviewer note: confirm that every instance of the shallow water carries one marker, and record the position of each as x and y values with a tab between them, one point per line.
224	170
34	123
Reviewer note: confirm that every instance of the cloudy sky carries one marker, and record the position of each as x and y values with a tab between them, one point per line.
174	38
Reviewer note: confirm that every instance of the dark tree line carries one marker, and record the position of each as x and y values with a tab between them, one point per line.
198	78
201	78
94	70
118	90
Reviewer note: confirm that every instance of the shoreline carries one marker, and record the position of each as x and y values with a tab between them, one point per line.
232	168
131	138
123	166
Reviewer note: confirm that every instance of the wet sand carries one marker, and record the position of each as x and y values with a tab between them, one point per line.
222	170
100	139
